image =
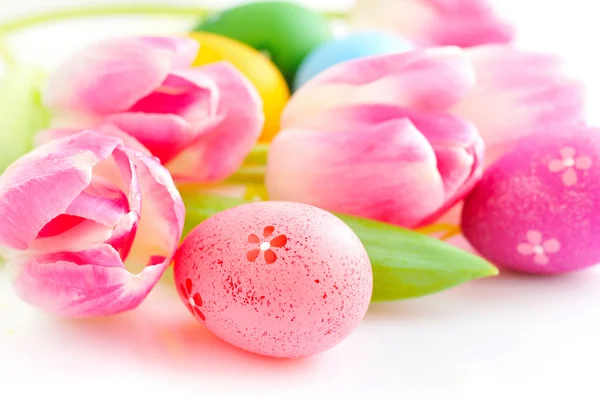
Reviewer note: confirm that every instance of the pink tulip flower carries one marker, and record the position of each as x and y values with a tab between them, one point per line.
79	216
463	23
200	122
395	137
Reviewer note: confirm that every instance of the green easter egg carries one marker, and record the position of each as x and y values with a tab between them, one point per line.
286	32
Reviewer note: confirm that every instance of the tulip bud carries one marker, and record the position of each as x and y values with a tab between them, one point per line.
463	23
400	138
199	122
77	215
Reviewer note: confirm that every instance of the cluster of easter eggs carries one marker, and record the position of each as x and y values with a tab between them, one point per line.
289	280
279	46
278	279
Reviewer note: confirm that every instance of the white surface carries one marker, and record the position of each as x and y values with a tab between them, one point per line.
508	337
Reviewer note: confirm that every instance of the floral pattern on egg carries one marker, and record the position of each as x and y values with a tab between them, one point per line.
569	164
265	246
276	278
193	301
537	209
538	247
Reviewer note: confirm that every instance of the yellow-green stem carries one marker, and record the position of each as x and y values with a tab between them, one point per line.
448	230
54	16
6	55
96	11
247	175
258	156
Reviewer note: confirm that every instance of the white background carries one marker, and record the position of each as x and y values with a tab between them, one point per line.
508	337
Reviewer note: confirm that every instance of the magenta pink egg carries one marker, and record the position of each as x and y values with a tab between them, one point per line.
276	278
537	209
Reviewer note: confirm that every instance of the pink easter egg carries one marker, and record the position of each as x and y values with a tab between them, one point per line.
280	279
537	209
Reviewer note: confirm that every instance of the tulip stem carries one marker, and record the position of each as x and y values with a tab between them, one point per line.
53	16
6	55
149	9
448	230
258	155
247	175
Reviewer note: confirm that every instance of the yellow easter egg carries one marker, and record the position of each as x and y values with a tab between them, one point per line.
259	69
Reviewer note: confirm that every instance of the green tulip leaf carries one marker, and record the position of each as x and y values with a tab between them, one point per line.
406	264
200	206
21	112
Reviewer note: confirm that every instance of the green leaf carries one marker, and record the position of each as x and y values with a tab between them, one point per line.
406	264
200	206
21	112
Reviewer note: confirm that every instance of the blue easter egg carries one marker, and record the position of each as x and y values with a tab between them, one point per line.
353	46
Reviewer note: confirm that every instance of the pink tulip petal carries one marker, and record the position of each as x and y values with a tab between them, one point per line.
111	76
469	27
525	249
423	80
460	170
456	166
76	238
567	152
556	165
220	147
540	259
59	225
534	237
439	126
92	282
519	93
583	162
162	214
46	136
183	51
128	140
101	202
551	246
183	92
386	172
125	231
569	177
164	135
67	170
124	234
462	23
106	169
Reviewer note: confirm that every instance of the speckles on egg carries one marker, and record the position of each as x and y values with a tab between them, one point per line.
537	209
277	278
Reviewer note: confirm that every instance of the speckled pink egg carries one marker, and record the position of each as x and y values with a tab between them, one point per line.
280	279
537	209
